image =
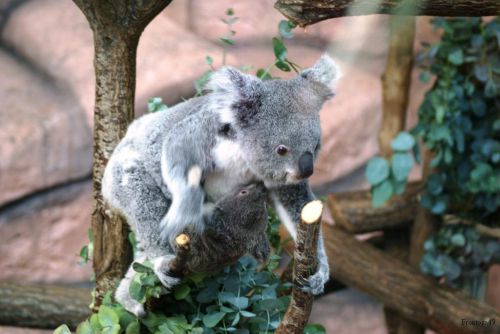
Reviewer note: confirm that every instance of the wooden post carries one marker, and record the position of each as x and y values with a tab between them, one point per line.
117	26
305	264
395	89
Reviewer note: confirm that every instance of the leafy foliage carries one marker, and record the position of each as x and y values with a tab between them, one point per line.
390	177
458	253
459	123
458	116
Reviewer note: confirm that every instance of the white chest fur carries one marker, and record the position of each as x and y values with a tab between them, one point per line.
231	170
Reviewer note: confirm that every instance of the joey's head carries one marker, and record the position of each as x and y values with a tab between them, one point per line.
246	206
275	123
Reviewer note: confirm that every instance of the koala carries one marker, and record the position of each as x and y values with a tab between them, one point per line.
243	131
234	226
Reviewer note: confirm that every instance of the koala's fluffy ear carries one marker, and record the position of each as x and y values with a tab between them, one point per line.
239	94
324	72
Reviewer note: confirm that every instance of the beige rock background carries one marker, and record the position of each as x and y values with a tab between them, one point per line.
46	111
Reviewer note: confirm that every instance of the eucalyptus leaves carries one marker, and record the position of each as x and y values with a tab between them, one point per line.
459	122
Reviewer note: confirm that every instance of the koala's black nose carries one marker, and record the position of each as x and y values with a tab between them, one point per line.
306	165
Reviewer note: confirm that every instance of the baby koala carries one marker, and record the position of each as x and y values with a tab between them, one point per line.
234	226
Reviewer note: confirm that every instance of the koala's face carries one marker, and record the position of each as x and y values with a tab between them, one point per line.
276	122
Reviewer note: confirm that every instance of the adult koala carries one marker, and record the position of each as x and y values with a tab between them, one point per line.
246	130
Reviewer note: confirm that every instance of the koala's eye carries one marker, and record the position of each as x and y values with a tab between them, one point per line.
282	150
243	192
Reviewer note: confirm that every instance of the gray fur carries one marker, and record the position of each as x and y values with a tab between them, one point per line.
232	134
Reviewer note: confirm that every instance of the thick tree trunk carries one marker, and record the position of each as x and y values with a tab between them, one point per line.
304	265
117	26
307	12
43	306
403	288
354	212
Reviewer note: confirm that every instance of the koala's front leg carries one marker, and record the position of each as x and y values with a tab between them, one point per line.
288	202
261	249
182	177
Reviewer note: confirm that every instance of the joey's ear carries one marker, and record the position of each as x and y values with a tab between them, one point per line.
324	72
237	94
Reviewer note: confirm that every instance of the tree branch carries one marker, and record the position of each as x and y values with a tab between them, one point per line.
43	306
401	287
304	265
117	26
307	12
354	212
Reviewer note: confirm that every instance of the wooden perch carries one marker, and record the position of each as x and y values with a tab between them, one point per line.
355	213
178	266
305	264
307	12
403	288
43	306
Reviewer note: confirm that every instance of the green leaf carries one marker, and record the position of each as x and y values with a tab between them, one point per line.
456	57
63	329
399	186
283	66
458	240
263	74
285	29
381	193
227	40
136	290
141	268
107	316
209	60
440	113
84	254
439	207
401	166
403	142
279	48
114	329
133	328
210	320
247	314
314	329
181	291
239	302
377	170
84	328
94	323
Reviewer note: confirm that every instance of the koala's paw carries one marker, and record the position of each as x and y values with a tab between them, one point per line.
161	267
316	282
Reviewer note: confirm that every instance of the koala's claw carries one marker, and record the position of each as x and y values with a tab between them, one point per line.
161	268
315	284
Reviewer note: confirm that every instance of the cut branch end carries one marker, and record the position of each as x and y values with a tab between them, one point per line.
311	213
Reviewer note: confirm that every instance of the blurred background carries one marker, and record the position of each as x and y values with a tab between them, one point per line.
46	120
